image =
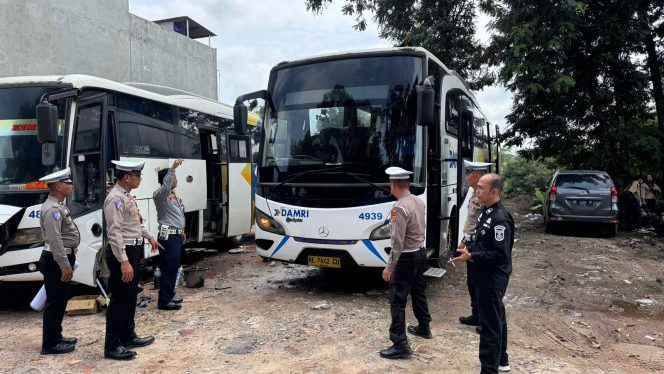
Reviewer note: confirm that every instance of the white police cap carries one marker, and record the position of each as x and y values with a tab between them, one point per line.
396	172
471	166
63	175
135	166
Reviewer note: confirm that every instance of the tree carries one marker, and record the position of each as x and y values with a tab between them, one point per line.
650	15
445	27
579	93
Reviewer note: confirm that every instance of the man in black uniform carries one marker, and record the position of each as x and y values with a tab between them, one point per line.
492	266
61	237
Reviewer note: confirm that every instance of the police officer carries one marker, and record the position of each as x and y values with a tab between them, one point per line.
406	265
125	237
170	215
57	260
474	171
492	265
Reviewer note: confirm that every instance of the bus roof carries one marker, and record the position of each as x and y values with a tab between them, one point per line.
153	92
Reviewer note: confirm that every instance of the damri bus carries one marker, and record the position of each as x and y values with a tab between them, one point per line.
85	122
332	125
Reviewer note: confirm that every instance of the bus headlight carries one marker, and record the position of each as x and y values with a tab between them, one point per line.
268	224
26	237
381	232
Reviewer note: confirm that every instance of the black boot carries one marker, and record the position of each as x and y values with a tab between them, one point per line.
397	351
119	353
472	320
420	330
57	349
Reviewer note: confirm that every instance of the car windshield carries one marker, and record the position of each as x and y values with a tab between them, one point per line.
355	114
20	151
588	181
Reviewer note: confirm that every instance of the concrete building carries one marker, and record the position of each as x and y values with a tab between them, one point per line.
101	38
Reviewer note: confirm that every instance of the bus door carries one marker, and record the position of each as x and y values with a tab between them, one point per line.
238	185
210	153
87	166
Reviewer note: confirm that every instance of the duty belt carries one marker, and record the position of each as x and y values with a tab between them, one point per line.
410	250
67	250
138	241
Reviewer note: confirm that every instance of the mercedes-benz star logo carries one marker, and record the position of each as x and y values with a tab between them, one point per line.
323	232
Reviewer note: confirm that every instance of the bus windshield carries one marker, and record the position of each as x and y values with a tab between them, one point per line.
353	115
20	151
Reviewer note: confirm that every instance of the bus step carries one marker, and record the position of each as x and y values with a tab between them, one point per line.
435	272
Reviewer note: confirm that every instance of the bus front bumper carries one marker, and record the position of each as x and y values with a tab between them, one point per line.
321	252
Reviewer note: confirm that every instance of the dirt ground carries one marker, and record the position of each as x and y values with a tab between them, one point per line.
572	308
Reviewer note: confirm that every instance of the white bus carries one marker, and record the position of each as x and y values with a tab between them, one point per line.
90	121
332	125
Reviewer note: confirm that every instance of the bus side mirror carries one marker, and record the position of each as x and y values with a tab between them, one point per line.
240	118
47	122
425	105
47	131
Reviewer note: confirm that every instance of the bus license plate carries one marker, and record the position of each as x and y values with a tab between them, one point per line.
325	262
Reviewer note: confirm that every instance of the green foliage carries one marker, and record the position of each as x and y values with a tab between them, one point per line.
538	200
445	27
522	176
580	93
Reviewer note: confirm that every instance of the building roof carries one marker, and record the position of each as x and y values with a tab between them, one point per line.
196	30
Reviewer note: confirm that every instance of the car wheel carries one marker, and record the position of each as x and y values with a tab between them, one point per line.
612	230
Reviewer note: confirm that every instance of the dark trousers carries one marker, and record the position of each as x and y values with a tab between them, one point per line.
122	308
57	294
633	213
493	338
407	279
169	263
471	289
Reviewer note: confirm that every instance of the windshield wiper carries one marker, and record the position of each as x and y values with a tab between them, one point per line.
578	188
297	175
353	175
357	176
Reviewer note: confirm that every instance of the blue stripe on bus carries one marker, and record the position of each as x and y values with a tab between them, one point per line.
283	241
373	249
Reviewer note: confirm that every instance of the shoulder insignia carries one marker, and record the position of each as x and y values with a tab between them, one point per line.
488	211
117	203
499	233
488	220
56	214
393	215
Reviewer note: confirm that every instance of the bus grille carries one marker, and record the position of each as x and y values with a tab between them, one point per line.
325	241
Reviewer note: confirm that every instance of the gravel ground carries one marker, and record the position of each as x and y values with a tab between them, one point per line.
577	303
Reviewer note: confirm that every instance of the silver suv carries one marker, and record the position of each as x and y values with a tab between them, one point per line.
581	196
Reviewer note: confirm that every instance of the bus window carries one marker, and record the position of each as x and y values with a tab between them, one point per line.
144	128
452	114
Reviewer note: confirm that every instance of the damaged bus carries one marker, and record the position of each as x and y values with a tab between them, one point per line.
83	122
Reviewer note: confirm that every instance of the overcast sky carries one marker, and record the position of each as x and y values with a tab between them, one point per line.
252	36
